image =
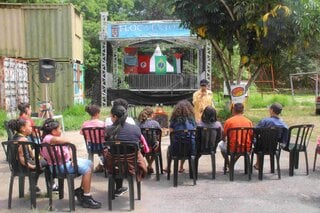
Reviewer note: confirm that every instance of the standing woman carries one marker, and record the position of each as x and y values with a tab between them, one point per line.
182	118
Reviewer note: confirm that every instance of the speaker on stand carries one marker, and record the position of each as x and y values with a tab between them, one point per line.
47	74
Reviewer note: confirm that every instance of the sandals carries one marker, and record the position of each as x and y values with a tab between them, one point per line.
150	170
181	170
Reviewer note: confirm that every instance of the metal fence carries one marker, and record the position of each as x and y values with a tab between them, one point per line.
161	82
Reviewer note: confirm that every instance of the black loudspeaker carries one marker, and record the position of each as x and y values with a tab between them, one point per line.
47	70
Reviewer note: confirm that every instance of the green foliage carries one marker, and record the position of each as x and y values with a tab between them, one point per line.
76	110
74	117
3	117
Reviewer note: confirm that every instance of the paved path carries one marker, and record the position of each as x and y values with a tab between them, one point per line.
299	193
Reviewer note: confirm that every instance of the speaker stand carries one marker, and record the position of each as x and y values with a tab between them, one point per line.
46	113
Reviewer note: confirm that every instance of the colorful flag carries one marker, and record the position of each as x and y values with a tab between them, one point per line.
161	64
144	64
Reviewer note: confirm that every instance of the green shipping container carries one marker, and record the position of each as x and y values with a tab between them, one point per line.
41	31
67	89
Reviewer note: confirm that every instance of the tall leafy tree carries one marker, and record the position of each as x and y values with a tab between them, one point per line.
258	30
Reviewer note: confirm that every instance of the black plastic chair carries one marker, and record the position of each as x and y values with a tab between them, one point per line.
36	135
94	139
242	146
316	152
207	140
180	149
153	136
9	131
266	143
60	172
21	170
122	163
298	140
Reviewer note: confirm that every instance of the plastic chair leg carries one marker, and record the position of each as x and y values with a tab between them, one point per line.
245	164
307	164
278	164
272	163
10	191
32	186
175	172
169	168
21	186
315	158
291	163
296	160
110	191
261	162
213	165
231	167
247	156
156	158
196	163
193	168
131	192
50	193
139	189
70	180
61	188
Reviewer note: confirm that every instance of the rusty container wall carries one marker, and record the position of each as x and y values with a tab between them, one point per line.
61	92
12	31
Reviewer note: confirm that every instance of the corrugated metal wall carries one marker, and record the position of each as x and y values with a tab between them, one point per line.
48	31
12	35
33	31
61	92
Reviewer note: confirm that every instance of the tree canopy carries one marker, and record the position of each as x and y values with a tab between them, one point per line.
259	30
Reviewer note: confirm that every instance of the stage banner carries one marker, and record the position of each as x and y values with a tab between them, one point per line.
144	64
149	29
161	64
130	60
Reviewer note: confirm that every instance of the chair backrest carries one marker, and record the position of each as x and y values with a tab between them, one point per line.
10	132
182	143
19	165
122	158
94	138
266	139
36	135
56	156
300	135
207	139
152	136
239	139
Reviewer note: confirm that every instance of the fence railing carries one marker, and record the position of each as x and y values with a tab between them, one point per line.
161	82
